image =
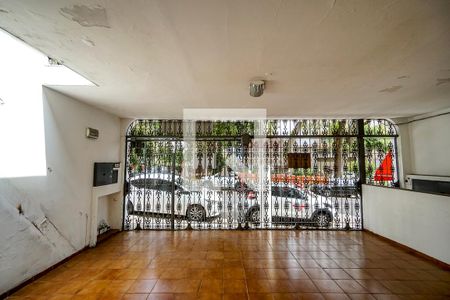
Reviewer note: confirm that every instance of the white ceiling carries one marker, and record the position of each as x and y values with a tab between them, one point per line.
321	58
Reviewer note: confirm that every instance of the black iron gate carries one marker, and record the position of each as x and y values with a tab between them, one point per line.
272	174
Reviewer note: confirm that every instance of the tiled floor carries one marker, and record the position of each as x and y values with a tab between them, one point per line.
242	265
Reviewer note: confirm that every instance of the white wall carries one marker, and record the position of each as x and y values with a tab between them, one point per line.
426	145
56	207
418	220
103	209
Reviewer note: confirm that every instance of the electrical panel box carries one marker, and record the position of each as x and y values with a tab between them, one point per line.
92	133
106	173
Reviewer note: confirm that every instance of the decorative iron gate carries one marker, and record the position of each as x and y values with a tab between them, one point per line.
272	174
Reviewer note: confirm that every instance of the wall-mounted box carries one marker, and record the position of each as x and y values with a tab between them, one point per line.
106	173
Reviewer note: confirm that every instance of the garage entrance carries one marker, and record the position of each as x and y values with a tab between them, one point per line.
271	174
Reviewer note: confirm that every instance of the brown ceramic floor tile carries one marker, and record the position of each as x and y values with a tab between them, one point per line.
135	296
311	296
327	263
282	286
161	297
233	273
209	296
94	287
296	273
87	297
258	286
304	286
374	286
213	273
337	274
359	273
255	274
211	286
327	286
110	295
71	287
335	296
242	265
285	296
175	273
62	297
186	286
118	286
398	287
235	286
361	297
276	273
317	273
387	297
351	286
142	286
260	296
440	274
151	273
234	296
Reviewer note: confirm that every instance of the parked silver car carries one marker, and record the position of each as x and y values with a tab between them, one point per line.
151	195
282	205
288	205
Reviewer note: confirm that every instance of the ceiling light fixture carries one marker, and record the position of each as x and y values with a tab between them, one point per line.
257	88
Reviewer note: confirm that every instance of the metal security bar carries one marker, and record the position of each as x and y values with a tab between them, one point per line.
228	177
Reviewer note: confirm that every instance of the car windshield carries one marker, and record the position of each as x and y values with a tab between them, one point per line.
289	192
155	184
334	191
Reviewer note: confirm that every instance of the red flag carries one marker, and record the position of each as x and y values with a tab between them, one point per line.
384	171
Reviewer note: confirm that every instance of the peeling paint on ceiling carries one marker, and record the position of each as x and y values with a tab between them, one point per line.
442	81
403	77
88	42
86	16
390	89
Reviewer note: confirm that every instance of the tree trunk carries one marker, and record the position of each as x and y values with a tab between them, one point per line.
338	155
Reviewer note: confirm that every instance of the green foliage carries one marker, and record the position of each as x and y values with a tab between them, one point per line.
303	172
337	126
145	128
375	145
229	128
378	127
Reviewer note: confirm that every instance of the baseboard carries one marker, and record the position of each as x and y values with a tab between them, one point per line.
39	275
107	235
412	251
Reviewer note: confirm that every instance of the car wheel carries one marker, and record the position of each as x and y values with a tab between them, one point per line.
327	192
322	219
130	207
196	212
253	215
